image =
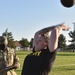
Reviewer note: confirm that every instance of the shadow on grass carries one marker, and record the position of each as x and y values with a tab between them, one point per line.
65	54
64	69
70	69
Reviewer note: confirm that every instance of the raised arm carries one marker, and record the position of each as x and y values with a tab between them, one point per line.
53	40
42	31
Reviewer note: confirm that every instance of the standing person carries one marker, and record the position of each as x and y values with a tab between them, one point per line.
8	58
40	61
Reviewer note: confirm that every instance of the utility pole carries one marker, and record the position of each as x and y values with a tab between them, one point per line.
73	26
74	34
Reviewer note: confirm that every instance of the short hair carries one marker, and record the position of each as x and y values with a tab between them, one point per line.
46	36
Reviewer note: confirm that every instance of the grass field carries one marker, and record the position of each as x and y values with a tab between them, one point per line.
64	63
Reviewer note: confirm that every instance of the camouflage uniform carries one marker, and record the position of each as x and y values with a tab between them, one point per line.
8	58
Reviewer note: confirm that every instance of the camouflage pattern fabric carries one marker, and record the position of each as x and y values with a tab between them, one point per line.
8	58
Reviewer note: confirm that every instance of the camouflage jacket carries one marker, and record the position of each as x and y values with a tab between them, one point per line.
8	58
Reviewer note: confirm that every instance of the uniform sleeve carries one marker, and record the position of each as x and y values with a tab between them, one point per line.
16	61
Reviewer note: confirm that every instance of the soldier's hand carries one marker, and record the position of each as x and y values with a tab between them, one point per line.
17	65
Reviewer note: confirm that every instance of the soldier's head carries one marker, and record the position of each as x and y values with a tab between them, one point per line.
41	42
3	42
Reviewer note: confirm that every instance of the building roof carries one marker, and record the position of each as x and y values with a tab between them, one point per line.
16	43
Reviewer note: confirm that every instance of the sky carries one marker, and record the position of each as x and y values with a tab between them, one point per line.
24	17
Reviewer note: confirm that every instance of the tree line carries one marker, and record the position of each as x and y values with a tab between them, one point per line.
25	43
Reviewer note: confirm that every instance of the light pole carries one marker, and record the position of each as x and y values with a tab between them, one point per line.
74	26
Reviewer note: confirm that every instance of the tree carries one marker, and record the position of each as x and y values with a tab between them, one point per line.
72	36
61	41
31	43
24	43
9	37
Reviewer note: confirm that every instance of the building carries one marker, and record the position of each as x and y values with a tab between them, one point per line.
17	45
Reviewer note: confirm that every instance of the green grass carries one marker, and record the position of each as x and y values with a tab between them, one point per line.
64	63
21	55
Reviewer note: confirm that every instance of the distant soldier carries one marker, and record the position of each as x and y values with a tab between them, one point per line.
8	58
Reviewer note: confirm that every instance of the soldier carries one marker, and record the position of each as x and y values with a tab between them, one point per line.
41	60
8	58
